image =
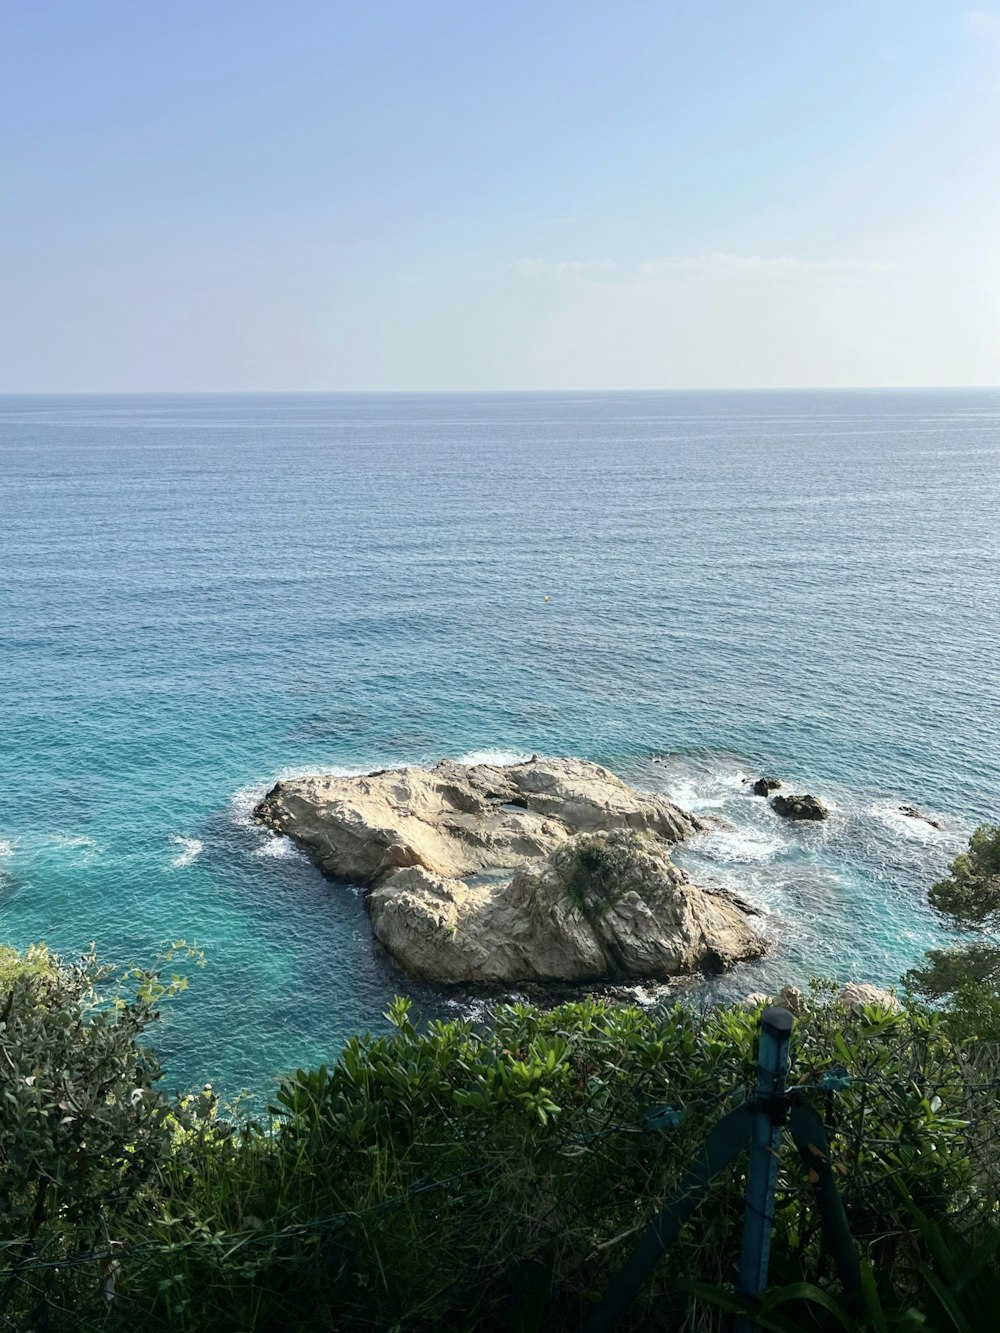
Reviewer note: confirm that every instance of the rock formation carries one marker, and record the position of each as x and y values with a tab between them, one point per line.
856	995
800	807
853	995
764	786
911	812
601	906
549	870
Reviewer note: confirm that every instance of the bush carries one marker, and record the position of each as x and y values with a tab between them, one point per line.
453	1176
418	1181
969	900
83	1129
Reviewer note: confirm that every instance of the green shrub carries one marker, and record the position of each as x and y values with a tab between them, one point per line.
453	1176
83	1129
416	1182
969	900
954	1287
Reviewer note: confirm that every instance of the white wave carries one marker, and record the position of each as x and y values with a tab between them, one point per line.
478	1010
277	847
911	826
192	847
740	846
7	847
498	758
647	996
695	785
242	802
80	843
696	796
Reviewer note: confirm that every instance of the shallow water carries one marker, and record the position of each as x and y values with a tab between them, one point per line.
202	594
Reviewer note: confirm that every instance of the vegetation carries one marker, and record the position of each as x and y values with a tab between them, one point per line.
598	870
969	901
452	1177
459	1177
84	1131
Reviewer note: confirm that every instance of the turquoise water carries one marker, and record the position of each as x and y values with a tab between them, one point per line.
201	594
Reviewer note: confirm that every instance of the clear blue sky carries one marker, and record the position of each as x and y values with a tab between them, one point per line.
424	195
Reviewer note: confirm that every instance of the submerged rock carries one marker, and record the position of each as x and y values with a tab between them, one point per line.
549	870
911	812
800	807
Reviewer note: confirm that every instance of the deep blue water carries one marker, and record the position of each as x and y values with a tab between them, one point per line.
199	594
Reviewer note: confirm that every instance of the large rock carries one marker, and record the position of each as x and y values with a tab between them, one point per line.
764	786
603	906
549	870
800	807
456	819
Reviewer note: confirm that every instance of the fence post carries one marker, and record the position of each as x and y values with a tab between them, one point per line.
762	1169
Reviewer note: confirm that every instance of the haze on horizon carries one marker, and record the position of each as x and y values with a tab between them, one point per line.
432	196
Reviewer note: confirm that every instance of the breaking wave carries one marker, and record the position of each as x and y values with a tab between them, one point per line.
498	758
190	849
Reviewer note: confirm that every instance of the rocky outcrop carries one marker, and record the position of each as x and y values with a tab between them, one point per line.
858	995
800	807
609	906
911	812
764	786
853	995
457	820
549	870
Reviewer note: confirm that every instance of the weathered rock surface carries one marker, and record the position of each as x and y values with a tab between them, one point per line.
601	906
800	807
853	995
764	786
549	870
456	819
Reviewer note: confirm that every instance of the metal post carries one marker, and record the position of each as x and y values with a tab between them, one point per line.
762	1169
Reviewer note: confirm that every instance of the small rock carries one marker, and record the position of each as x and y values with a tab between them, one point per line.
790	998
800	807
856	994
764	786
911	812
755	1000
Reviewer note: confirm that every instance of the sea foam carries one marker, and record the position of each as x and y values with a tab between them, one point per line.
498	758
190	849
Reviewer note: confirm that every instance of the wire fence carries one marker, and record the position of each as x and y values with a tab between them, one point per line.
576	1210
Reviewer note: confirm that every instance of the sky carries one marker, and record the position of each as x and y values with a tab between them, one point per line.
314	195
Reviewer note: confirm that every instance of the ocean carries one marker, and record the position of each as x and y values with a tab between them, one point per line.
201	594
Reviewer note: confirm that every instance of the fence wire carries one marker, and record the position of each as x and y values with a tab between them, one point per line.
566	1206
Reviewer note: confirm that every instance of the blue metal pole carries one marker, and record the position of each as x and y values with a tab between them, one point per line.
762	1169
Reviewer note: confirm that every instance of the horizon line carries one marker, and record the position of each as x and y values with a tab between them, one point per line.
302	393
